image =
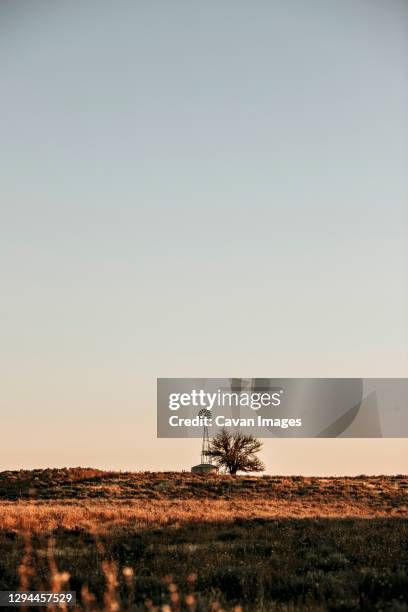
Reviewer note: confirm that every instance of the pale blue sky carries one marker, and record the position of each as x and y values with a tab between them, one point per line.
197	189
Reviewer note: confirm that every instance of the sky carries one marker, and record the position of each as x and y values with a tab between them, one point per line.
197	189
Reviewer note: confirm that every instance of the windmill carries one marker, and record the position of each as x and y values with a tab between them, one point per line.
204	413
205	467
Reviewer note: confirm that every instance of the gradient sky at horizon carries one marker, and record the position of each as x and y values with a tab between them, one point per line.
197	189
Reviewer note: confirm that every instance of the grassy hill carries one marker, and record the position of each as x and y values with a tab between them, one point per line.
373	495
195	543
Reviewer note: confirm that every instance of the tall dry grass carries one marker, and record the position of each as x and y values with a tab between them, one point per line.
176	542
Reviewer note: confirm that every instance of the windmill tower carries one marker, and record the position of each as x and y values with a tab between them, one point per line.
205	467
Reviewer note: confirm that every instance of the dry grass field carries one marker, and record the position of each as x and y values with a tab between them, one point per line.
177	541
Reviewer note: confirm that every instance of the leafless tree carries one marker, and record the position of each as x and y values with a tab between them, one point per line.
236	452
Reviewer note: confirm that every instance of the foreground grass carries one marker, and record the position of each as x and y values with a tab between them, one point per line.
147	541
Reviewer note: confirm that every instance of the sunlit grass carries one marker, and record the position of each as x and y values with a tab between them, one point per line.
176	542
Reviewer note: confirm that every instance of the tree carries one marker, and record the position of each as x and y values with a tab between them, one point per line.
236	452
